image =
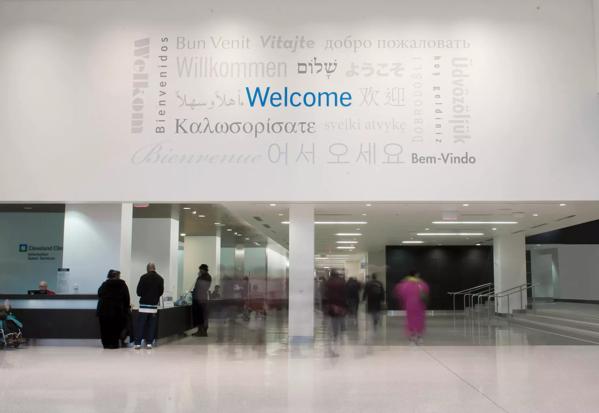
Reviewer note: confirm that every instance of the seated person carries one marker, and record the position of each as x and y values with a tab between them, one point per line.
43	289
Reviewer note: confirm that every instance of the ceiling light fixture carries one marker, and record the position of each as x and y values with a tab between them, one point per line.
412	242
334	222
348	234
201	216
347	242
562	205
273	205
183	234
229	229
475	222
346	248
186	208
449	234
494	229
194	212
368	205
535	215
466	205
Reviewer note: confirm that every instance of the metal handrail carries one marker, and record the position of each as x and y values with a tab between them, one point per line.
467	292
519	289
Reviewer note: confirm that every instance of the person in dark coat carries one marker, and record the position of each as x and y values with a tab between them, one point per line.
149	289
113	307
352	288
374	295
200	301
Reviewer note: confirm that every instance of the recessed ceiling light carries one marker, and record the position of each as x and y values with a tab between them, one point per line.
347	242
217	223
357	229
466	205
346	248
475	222
183	234
363	215
412	242
194	212
281	214
229	229
494	229
201	216
247	239
239	235
457	234
562	205
186	208
273	205
427	229
535	215
478	244
368	205
348	234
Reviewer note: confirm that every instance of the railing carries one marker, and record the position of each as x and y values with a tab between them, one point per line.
516	290
468	292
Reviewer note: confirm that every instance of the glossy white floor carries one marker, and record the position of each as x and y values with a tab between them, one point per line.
500	373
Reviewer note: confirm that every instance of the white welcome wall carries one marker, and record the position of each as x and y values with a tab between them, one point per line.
488	81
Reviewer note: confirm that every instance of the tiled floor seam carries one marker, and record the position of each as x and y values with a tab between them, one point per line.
462	379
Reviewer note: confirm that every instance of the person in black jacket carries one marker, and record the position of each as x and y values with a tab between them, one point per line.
200	301
113	307
374	295
149	290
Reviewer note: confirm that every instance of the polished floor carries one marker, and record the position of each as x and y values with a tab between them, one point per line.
464	365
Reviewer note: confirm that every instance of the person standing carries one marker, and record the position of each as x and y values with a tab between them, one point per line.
113	308
200	301
412	292
44	290
374	295
149	290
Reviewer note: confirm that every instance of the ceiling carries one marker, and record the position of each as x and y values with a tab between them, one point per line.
394	223
205	220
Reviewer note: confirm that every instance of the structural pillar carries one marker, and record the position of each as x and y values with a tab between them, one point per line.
97	237
198	250
301	274
509	259
156	240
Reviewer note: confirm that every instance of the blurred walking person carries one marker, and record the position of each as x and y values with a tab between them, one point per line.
352	288
335	297
412	292
374	295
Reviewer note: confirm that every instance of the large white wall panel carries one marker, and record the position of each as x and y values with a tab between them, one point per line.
96	238
510	83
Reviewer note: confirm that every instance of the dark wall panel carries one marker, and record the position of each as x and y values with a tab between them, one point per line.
587	233
450	268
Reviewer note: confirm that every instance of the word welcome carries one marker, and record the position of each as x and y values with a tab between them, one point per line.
264	97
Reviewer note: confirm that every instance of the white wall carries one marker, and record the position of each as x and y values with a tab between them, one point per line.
200	250
22	271
596	10
528	84
578	271
96	238
156	240
544	265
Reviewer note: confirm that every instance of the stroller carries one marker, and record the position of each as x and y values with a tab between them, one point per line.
10	328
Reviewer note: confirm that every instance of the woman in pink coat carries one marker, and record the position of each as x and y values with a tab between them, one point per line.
412	292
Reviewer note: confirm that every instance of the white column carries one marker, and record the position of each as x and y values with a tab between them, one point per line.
97	237
509	258
156	240
197	251
301	274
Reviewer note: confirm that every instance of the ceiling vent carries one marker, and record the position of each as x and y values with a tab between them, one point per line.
266	225
518	232
565	218
258	219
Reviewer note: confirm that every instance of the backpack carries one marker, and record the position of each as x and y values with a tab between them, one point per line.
376	290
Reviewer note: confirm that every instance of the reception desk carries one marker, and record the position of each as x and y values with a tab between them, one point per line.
74	316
